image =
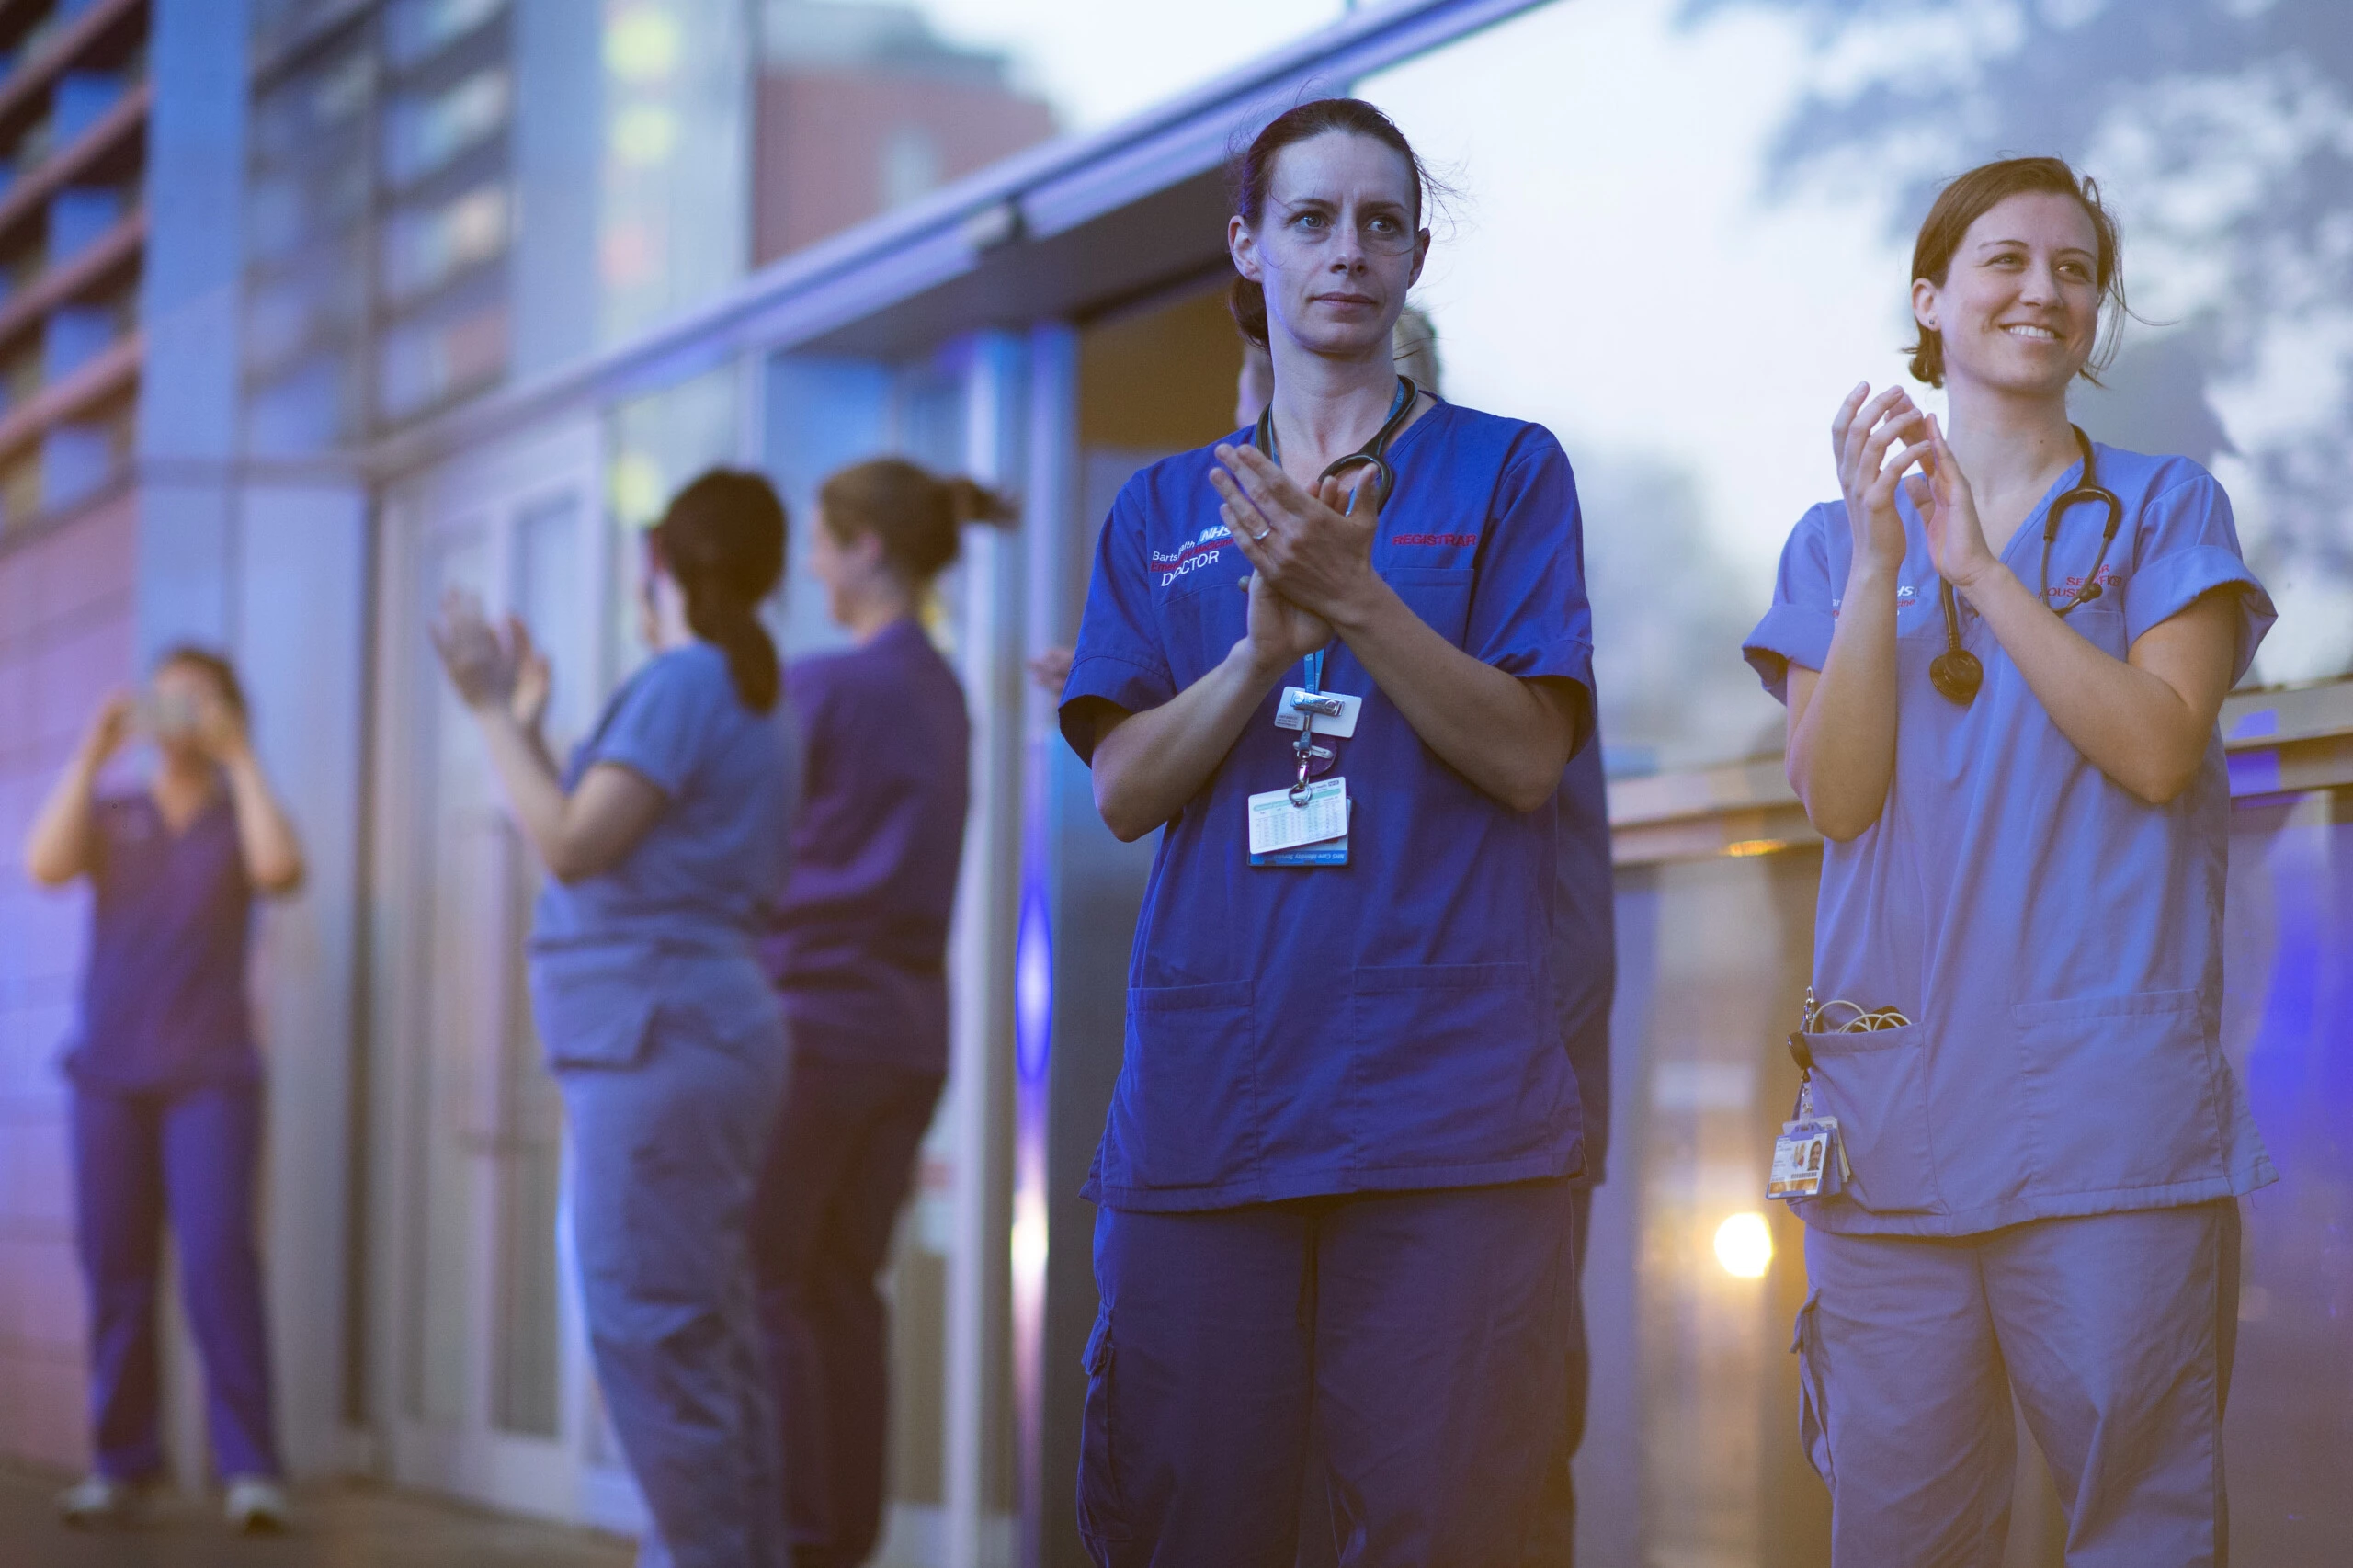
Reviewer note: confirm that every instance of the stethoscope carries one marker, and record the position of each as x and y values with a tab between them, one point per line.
1312	759
1373	453
1956	672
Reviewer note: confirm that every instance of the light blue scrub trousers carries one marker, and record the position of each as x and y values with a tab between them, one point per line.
2115	1332
665	1154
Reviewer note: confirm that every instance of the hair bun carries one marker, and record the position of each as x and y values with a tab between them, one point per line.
969	501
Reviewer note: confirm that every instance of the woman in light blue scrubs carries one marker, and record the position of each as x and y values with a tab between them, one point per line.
2026	819
667	838
1331	1182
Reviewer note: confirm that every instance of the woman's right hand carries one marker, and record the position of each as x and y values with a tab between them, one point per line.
534	679
1279	632
109	727
483	669
1860	438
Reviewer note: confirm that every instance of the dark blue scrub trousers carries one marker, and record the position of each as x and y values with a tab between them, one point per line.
1422	1333
191	1154
837	1174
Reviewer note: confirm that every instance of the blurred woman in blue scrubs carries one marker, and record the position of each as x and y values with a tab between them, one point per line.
2003	676
666	840
167	1094
1331	1182
860	957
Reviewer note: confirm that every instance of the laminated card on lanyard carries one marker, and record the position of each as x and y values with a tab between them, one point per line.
1307	824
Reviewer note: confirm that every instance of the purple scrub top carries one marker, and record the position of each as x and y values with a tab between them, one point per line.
2055	940
860	938
1386	1025
163	1002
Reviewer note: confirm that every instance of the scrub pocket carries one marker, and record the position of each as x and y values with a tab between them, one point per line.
1102	1518
1876	1083
2119	1090
598	1019
1205	613
1449	1067
1440	594
1814	1389
1183	1112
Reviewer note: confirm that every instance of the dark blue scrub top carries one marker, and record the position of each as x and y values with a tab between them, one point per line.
1584	942
1389	1024
164	992
860	939
678	920
2056	941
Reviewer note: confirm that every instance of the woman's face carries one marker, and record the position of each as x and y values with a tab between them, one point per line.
186	701
2019	305
1336	247
845	570
661	607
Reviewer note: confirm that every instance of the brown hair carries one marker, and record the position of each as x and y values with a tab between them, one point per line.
722	541
915	513
214	666
1979	191
1250	174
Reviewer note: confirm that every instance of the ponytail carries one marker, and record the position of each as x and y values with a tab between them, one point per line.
722	541
914	515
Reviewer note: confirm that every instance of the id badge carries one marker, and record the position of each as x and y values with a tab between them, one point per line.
1335	711
1314	834
1806	1159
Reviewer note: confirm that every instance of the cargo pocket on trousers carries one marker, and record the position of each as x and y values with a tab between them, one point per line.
1101	1517
1814	1406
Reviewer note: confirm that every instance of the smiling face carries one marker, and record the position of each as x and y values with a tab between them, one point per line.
2018	309
1336	246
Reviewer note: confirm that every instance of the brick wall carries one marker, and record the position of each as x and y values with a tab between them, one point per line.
66	639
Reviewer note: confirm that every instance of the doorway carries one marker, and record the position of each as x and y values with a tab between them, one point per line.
482	1386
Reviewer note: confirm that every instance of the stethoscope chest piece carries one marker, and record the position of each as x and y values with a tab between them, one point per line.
1956	673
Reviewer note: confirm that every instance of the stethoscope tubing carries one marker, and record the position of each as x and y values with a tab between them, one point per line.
1375	451
1956	673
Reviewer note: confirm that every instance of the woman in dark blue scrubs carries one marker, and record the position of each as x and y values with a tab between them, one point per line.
665	838
1332	1183
860	957
167	1101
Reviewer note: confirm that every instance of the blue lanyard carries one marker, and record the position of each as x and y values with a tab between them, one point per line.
1313	679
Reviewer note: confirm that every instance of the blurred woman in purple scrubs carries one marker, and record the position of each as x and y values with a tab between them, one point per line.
859	956
166	1085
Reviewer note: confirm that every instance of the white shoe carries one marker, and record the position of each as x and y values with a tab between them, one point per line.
97	1501
256	1505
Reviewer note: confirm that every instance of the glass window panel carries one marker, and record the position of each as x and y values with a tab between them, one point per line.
461	824
425	134
425	248
671	222
424	363
415	28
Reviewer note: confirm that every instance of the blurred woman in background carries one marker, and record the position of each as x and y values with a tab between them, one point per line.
667	838
859	956
167	1096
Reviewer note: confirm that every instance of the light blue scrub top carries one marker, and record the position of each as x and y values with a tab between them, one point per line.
676	921
2055	940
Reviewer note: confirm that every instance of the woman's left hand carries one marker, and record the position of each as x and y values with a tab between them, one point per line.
221	731
1309	548
481	666
1948	513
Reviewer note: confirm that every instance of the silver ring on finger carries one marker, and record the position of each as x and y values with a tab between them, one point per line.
1262	536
